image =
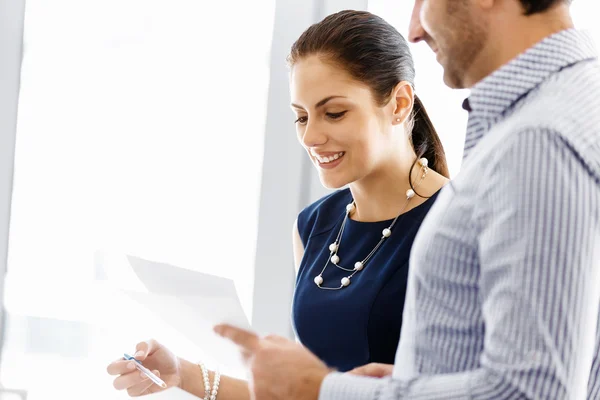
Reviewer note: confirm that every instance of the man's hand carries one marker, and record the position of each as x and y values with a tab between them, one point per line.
281	369
374	370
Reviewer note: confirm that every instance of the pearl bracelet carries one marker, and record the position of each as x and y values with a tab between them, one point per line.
206	381
215	388
208	393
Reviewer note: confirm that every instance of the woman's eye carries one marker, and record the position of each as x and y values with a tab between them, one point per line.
336	115
301	120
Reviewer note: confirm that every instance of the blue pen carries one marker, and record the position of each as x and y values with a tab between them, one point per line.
146	371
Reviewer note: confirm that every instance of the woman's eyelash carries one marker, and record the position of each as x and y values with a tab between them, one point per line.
336	115
303	119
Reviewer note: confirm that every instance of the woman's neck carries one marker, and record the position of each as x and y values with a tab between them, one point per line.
382	195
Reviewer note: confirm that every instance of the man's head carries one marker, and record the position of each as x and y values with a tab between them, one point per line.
472	38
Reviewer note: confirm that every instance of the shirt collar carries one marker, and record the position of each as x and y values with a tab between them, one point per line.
496	93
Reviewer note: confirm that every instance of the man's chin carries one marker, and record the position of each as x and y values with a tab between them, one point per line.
452	80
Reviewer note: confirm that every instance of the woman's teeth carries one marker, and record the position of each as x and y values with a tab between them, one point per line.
327	160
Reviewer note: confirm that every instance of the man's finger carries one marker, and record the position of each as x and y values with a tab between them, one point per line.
276	339
246	356
247	340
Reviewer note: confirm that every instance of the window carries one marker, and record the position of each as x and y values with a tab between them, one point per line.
584	16
140	129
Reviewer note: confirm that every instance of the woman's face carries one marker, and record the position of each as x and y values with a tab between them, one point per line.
345	133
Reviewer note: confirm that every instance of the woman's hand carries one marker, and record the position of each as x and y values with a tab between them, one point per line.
373	370
156	358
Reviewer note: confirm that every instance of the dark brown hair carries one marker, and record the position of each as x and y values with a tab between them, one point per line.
540	6
375	53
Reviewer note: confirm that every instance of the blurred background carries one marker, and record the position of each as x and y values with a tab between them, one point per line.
161	129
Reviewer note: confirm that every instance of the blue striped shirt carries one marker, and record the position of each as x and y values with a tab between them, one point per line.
503	296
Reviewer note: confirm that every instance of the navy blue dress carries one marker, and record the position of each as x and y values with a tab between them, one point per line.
360	323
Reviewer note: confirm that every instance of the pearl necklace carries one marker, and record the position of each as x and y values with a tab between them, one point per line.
334	248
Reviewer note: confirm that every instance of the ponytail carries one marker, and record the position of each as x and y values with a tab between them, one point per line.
426	141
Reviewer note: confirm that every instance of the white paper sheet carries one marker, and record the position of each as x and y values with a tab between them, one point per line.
214	298
190	302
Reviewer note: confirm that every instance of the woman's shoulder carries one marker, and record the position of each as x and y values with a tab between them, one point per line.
322	215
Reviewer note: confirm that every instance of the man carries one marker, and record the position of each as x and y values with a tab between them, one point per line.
504	290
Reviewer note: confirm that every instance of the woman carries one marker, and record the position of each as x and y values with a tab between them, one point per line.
351	82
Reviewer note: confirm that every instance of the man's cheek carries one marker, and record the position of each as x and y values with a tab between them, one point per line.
426	17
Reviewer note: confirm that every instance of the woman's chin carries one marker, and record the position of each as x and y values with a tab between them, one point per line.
333	184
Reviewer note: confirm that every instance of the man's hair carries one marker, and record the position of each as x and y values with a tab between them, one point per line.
538	6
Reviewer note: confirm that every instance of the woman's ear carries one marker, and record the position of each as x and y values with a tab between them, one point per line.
402	100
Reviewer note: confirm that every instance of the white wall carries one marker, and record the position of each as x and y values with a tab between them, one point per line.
11	40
